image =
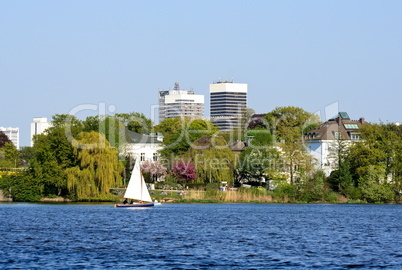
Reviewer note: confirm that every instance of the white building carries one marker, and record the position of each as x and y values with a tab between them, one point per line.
38	126
324	141
13	134
228	101
180	103
143	147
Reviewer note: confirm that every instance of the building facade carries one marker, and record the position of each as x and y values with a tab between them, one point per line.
38	126
143	147
323	141
228	101
13	134
180	103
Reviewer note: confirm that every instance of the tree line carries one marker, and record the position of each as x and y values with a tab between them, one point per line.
83	159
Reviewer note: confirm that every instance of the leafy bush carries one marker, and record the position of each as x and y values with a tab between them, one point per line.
331	197
22	188
285	189
212	190
353	192
378	194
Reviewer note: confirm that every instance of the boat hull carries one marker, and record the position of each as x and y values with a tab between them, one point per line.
134	205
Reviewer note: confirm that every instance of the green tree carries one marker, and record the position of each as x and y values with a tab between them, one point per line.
66	120
111	126
26	154
181	133
259	161
260	138
9	156
288	124
257	166
48	168
114	131
170	126
213	159
99	168
135	121
341	179
373	185
52	154
313	188
22	188
114	127
396	182
91	123
381	146
298	163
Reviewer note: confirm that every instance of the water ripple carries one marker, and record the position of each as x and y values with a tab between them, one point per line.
224	236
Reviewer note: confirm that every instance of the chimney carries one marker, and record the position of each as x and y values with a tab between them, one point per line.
339	120
362	121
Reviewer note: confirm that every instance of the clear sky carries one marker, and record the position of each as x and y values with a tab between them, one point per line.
57	55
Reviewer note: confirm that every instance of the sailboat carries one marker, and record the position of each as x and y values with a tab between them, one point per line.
137	190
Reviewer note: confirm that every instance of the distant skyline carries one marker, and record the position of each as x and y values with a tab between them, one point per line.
56	56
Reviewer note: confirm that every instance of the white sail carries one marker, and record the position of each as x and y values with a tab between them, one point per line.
137	189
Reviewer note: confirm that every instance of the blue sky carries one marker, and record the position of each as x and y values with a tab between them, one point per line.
57	55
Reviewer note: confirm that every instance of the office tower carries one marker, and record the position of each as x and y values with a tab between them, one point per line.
180	103
13	134
38	126
228	102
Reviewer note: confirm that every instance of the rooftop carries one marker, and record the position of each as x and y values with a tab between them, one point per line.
338	127
134	137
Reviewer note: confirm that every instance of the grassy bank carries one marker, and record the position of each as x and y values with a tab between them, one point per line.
242	195
227	196
252	195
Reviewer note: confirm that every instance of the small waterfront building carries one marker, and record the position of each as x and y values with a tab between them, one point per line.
13	134
321	141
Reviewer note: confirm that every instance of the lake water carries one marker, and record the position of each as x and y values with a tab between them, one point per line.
200	236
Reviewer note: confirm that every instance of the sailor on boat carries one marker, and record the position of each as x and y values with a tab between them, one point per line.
136	190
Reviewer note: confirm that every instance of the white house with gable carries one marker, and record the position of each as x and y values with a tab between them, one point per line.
321	139
143	147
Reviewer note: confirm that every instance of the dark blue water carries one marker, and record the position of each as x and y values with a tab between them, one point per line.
201	236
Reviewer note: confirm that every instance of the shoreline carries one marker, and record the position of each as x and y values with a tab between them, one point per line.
201	197
66	201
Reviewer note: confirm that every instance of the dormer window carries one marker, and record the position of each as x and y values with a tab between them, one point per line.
354	137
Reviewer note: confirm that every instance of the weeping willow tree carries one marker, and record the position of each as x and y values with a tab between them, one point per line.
99	168
213	159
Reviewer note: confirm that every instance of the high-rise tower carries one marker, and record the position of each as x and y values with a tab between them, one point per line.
13	134
228	102
180	103
38	126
